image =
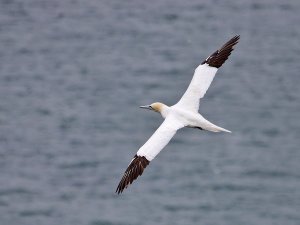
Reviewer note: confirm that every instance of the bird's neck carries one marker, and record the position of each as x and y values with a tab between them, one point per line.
164	111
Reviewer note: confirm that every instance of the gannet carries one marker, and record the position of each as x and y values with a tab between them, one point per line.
183	114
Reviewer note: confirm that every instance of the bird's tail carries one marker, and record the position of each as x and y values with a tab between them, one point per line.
214	128
219	129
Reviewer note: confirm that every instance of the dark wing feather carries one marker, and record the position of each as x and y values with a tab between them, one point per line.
135	169
220	56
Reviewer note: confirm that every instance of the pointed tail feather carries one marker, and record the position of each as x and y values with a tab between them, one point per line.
219	129
224	130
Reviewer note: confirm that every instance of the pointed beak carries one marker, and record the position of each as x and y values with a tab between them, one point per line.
146	107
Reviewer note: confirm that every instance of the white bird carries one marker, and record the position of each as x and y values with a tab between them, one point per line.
183	114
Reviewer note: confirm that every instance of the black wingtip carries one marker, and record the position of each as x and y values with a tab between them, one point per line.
220	56
135	169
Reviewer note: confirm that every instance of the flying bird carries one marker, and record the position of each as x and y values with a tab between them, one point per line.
183	114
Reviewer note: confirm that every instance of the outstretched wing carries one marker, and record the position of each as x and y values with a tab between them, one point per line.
148	151
204	74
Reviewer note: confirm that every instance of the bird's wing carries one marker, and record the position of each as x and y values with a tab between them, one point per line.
149	150
204	74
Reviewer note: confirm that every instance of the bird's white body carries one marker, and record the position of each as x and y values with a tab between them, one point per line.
175	118
183	114
190	119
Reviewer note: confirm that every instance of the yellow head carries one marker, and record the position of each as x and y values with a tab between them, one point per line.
156	106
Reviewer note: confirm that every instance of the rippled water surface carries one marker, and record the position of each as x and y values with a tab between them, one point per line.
72	75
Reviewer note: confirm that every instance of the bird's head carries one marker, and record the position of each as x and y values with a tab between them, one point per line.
156	107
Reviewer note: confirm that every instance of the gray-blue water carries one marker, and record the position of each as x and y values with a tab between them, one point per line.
72	75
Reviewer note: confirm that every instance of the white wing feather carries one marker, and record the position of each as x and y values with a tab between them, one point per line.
203	76
160	138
